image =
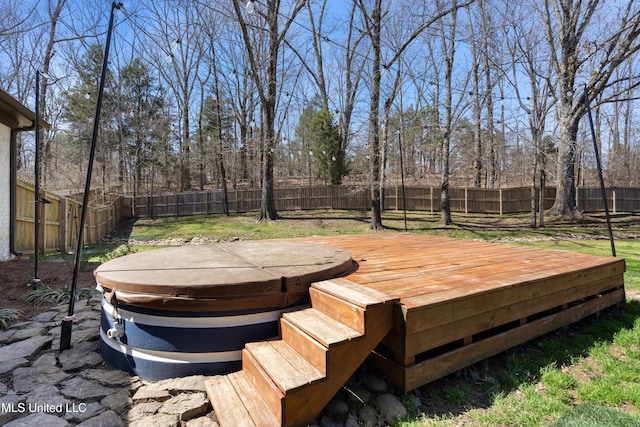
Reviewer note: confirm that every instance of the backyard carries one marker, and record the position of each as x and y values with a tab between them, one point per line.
587	371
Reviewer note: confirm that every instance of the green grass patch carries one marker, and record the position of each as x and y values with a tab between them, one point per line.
594	415
246	227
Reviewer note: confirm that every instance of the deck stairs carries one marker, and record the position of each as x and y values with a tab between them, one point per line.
288	381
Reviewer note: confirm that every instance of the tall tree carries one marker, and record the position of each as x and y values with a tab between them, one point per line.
587	39
530	58
178	50
141	103
448	41
268	93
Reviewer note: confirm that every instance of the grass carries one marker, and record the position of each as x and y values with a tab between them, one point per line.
587	374
9	316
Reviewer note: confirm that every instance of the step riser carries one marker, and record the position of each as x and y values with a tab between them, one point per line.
343	311
272	396
304	344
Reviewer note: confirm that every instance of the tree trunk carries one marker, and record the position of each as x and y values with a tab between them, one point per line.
565	201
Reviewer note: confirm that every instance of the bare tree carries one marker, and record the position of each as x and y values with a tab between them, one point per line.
448	41
177	48
268	93
580	50
529	58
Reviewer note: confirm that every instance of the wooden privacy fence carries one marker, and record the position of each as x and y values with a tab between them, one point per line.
466	200
60	220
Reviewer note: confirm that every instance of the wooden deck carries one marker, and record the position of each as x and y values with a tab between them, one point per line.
419	307
462	301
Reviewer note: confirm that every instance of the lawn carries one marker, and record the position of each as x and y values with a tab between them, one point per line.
587	374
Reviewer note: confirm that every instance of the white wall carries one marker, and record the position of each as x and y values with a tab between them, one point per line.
5	134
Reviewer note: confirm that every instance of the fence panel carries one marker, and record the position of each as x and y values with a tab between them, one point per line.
60	219
627	199
288	199
471	200
589	199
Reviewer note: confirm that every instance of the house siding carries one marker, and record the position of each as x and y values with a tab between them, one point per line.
5	135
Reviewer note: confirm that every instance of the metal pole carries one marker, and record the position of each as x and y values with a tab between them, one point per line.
36	217
65	333
404	200
602	188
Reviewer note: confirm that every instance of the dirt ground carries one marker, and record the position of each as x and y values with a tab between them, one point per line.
55	273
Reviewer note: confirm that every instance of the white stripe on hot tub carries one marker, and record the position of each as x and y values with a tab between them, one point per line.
169	356
196	322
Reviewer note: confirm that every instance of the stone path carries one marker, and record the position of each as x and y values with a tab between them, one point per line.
40	386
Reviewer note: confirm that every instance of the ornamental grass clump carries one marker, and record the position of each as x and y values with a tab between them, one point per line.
9	316
45	295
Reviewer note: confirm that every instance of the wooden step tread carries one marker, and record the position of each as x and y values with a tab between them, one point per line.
352	292
237	403
323	328
287	368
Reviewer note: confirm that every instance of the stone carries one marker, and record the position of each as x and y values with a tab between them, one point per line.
3	389
106	419
46	360
28	378
374	384
202	422
45	317
89	323
77	357
157	420
10	365
23	334
79	305
146	393
369	416
117	401
77	336
80	388
329	421
5	335
25	348
352	421
38	419
391	407
108	377
142	410
186	406
11	407
84	411
191	383
359	394
337	407
50	396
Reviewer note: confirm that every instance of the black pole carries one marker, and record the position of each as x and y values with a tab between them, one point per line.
36	217
65	333
404	200
602	188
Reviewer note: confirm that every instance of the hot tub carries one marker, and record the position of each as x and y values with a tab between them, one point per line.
191	309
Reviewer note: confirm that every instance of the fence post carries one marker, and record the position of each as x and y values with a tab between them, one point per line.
62	229
613	190
466	200
500	196
431	198
396	197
